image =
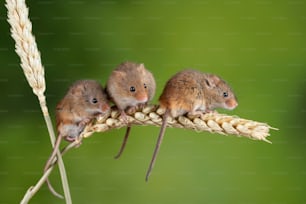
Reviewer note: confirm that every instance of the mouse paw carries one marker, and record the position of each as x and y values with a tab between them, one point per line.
211	111
78	140
195	114
131	110
123	117
142	105
84	122
70	139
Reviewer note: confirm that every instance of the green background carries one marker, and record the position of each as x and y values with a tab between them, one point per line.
259	47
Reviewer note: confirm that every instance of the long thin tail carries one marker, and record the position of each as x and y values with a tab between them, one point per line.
50	161
159	141
126	136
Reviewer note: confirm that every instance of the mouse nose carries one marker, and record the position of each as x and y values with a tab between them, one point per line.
231	104
105	107
142	98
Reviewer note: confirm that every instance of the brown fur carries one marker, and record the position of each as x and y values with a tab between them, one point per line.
195	93
74	112
125	76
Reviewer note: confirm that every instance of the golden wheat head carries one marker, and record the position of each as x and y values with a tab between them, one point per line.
25	45
212	122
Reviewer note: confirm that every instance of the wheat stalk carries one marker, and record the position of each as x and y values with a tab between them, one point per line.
26	48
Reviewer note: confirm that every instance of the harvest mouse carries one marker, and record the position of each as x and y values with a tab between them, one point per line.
129	86
194	93
84	101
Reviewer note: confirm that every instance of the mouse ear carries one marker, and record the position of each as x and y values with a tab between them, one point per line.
77	88
212	81
119	74
216	79
142	66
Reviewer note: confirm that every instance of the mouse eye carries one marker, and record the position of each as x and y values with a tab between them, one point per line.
225	94
145	86
132	89
94	100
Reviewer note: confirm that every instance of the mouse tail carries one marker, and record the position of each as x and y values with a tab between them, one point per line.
126	136
159	141
49	163
53	191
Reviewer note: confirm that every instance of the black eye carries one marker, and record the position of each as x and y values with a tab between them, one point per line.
132	89
225	94
145	86
94	100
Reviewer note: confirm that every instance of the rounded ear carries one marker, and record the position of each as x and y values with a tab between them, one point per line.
216	79
77	90
119	74
141	68
212	81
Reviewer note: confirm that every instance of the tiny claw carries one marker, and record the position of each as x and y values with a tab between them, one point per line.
142	105
195	114
123	117
131	110
210	111
84	122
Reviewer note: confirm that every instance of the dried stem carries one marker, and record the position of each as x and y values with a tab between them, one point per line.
33	189
26	48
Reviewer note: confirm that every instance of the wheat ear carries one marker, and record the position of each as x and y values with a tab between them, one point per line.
212	122
153	114
26	48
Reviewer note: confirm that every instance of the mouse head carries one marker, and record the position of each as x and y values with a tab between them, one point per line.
220	93
90	96
133	83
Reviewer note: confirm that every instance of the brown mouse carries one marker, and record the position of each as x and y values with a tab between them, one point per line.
84	101
129	86
194	93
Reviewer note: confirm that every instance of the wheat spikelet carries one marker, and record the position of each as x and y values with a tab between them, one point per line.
26	48
211	122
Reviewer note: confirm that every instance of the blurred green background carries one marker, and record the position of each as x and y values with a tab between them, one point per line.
259	47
